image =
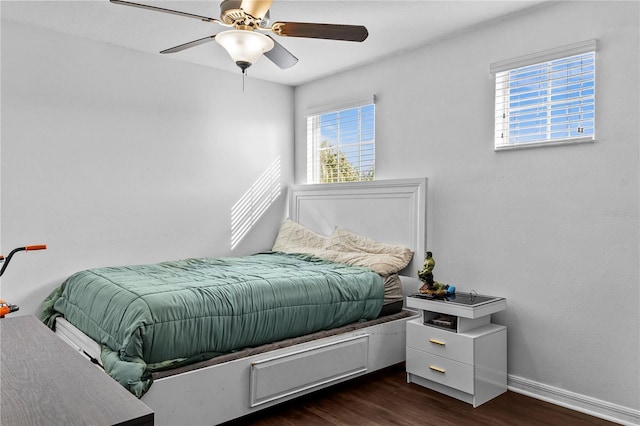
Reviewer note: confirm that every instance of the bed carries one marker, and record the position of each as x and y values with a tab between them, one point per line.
230	379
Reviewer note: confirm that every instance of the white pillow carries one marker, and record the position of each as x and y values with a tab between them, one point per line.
294	238
346	241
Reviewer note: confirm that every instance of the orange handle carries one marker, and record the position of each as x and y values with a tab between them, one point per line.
4	308
36	247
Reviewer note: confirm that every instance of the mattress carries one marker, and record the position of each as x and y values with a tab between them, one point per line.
153	317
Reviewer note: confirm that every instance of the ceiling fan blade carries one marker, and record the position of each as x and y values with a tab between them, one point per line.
193	43
280	56
256	8
161	9
324	31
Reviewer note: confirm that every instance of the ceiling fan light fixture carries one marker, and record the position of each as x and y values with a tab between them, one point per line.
244	47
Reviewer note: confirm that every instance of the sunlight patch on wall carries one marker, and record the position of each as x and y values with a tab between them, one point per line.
255	202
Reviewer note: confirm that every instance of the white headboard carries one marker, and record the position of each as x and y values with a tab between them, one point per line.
389	211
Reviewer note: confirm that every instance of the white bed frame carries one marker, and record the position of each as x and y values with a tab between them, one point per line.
391	211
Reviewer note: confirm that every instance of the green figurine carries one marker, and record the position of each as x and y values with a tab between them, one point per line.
426	273
426	276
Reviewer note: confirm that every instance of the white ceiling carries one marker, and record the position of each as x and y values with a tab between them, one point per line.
394	26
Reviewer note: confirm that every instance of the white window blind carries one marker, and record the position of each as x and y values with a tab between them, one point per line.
341	143
546	98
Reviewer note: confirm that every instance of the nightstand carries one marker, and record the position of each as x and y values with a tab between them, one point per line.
455	349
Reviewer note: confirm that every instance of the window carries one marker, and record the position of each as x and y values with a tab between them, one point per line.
547	98
341	143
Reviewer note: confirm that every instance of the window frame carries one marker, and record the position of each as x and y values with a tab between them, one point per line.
502	94
312	120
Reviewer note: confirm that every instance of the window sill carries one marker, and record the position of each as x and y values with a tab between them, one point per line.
516	146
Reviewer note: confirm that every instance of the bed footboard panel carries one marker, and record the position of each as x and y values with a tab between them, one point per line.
223	392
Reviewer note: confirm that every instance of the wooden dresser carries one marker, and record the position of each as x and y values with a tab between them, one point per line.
44	381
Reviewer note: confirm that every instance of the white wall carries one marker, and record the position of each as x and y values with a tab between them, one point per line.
555	229
112	156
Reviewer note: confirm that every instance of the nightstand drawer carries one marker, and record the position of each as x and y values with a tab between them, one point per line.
441	370
440	342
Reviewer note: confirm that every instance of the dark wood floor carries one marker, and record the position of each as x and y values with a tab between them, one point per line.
385	398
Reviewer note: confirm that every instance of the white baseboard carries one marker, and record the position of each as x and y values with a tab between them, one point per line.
585	404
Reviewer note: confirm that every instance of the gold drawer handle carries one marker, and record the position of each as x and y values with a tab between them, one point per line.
438	369
437	342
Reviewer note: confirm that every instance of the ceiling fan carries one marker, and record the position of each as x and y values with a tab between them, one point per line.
246	41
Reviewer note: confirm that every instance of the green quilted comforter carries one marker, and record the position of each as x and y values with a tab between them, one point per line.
152	317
